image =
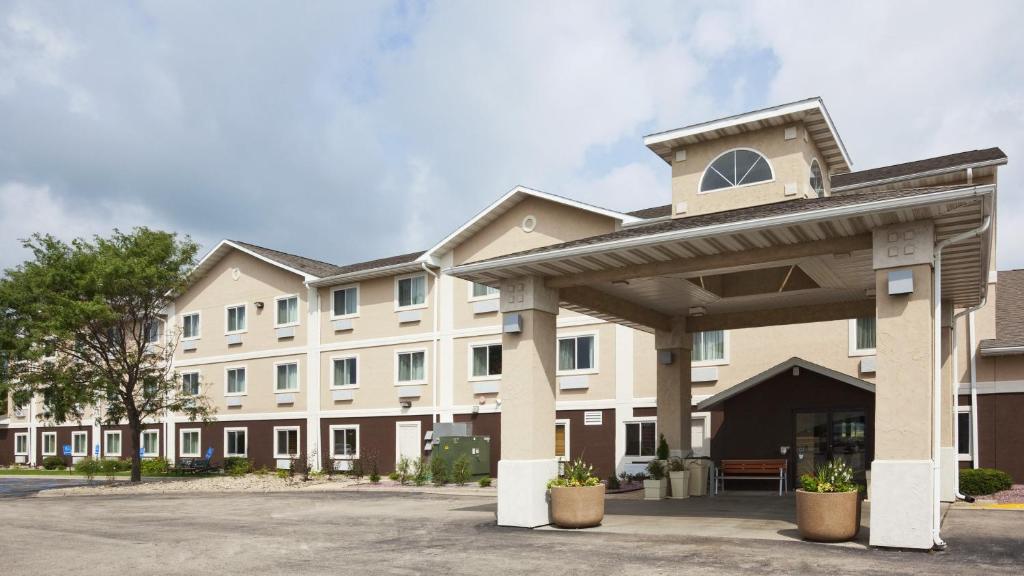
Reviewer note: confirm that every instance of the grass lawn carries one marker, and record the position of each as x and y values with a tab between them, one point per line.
34	472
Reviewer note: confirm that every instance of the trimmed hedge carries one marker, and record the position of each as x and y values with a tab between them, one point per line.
983	481
54	463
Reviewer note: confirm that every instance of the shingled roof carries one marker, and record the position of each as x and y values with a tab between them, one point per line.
301	263
652	212
907	169
1009	312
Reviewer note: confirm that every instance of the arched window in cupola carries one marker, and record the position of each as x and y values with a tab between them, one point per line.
737	167
817	182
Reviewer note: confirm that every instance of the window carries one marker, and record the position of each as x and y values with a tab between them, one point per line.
21	444
708	346
562	439
190	383
345	372
235	319
640	438
112	443
817	182
862	336
234	442
486	360
235	381
287	377
963	433
286	442
79	443
734	168
345	441
49	443
287	311
576	353
190	325
152	332
151	443
346	302
481	291
190	443
412	367
412	291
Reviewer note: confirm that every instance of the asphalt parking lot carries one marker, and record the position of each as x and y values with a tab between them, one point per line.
14	487
410	533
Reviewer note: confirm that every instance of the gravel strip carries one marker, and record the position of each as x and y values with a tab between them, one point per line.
1015	495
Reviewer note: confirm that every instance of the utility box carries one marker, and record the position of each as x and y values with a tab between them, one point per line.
476	448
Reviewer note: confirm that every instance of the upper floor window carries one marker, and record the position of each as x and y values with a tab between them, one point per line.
738	167
486	360
345	301
287	311
235	318
862	336
483	291
190	325
190	383
235	381
286	377
412	291
152	331
708	346
576	353
412	367
817	182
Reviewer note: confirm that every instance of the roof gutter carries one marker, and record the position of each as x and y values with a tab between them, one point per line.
925	174
1002	351
729	228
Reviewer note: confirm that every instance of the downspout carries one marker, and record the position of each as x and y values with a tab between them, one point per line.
974	391
437	336
969	312
937	375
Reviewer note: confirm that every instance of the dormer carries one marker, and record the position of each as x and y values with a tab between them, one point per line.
771	155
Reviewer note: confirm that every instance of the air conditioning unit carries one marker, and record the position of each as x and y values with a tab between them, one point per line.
19	412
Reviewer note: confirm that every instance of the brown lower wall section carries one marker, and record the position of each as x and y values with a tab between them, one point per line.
127	447
7	445
1000	432
377	437
486	425
63	438
259	439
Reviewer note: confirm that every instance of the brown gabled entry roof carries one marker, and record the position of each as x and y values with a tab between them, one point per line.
949	162
1009	315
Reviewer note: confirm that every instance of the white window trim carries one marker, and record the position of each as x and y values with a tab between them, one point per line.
725	355
857	352
106	442
359	441
46	452
199	380
597	354
426	292
76	434
298	311
336	386
161	330
568	430
638	420
234	454
469	361
968	457
298	377
228	369
355	314
426	368
142	443
700	183
230	307
199	442
298	441
198	315
22	452
471	298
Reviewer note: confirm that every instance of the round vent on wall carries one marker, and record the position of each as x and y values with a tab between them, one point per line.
529	223
236	273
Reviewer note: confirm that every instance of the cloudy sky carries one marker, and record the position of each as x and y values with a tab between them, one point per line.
351	130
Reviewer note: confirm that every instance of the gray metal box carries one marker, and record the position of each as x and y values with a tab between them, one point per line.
512	323
901	282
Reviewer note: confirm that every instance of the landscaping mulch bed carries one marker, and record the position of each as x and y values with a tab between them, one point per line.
1015	495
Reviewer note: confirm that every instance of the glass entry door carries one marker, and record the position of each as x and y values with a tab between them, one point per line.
822	436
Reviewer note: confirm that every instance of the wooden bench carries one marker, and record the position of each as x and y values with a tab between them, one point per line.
770	469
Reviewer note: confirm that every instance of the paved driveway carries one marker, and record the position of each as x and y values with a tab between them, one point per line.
15	486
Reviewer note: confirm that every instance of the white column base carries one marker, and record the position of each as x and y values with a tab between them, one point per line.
948	462
522	492
901	504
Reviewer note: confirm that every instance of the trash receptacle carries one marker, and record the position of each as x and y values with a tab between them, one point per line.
699	468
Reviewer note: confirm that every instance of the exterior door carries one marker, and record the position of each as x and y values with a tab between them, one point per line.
407	440
822	436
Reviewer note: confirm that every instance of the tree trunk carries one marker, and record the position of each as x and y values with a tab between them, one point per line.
136	433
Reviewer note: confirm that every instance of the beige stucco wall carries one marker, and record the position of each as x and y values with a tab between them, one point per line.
257	281
377	378
377	316
462	308
259	382
790	161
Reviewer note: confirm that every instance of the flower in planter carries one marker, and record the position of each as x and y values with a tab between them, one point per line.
834	476
575	474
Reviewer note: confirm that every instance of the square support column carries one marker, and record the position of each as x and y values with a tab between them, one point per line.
527	402
674	387
902	485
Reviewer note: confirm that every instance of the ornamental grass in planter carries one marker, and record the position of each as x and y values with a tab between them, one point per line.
577	497
828	504
679	478
655	483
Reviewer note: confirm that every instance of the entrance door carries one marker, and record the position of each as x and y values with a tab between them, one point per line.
407	440
822	436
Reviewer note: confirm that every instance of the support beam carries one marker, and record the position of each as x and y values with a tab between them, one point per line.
759	256
674	394
613	305
779	316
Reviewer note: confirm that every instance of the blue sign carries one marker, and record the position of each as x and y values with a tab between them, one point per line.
96	450
142	452
67	449
209	452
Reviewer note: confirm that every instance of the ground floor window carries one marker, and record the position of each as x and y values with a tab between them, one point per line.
562	439
112	441
190	443
641	438
79	443
286	442
963	431
345	441
21	444
49	443
150	443
235	442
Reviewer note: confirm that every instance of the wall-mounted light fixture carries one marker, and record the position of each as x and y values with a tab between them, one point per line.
259	305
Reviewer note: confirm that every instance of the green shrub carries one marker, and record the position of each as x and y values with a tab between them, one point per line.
655	469
983	481
439	470
393	476
357	469
420	474
53	463
462	470
834	476
613	483
662	447
484	482
375	478
404	470
262	471
88	467
284	473
154	466
237	466
109	468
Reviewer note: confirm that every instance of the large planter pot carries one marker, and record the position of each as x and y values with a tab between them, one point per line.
577	507
655	489
828	516
679	480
